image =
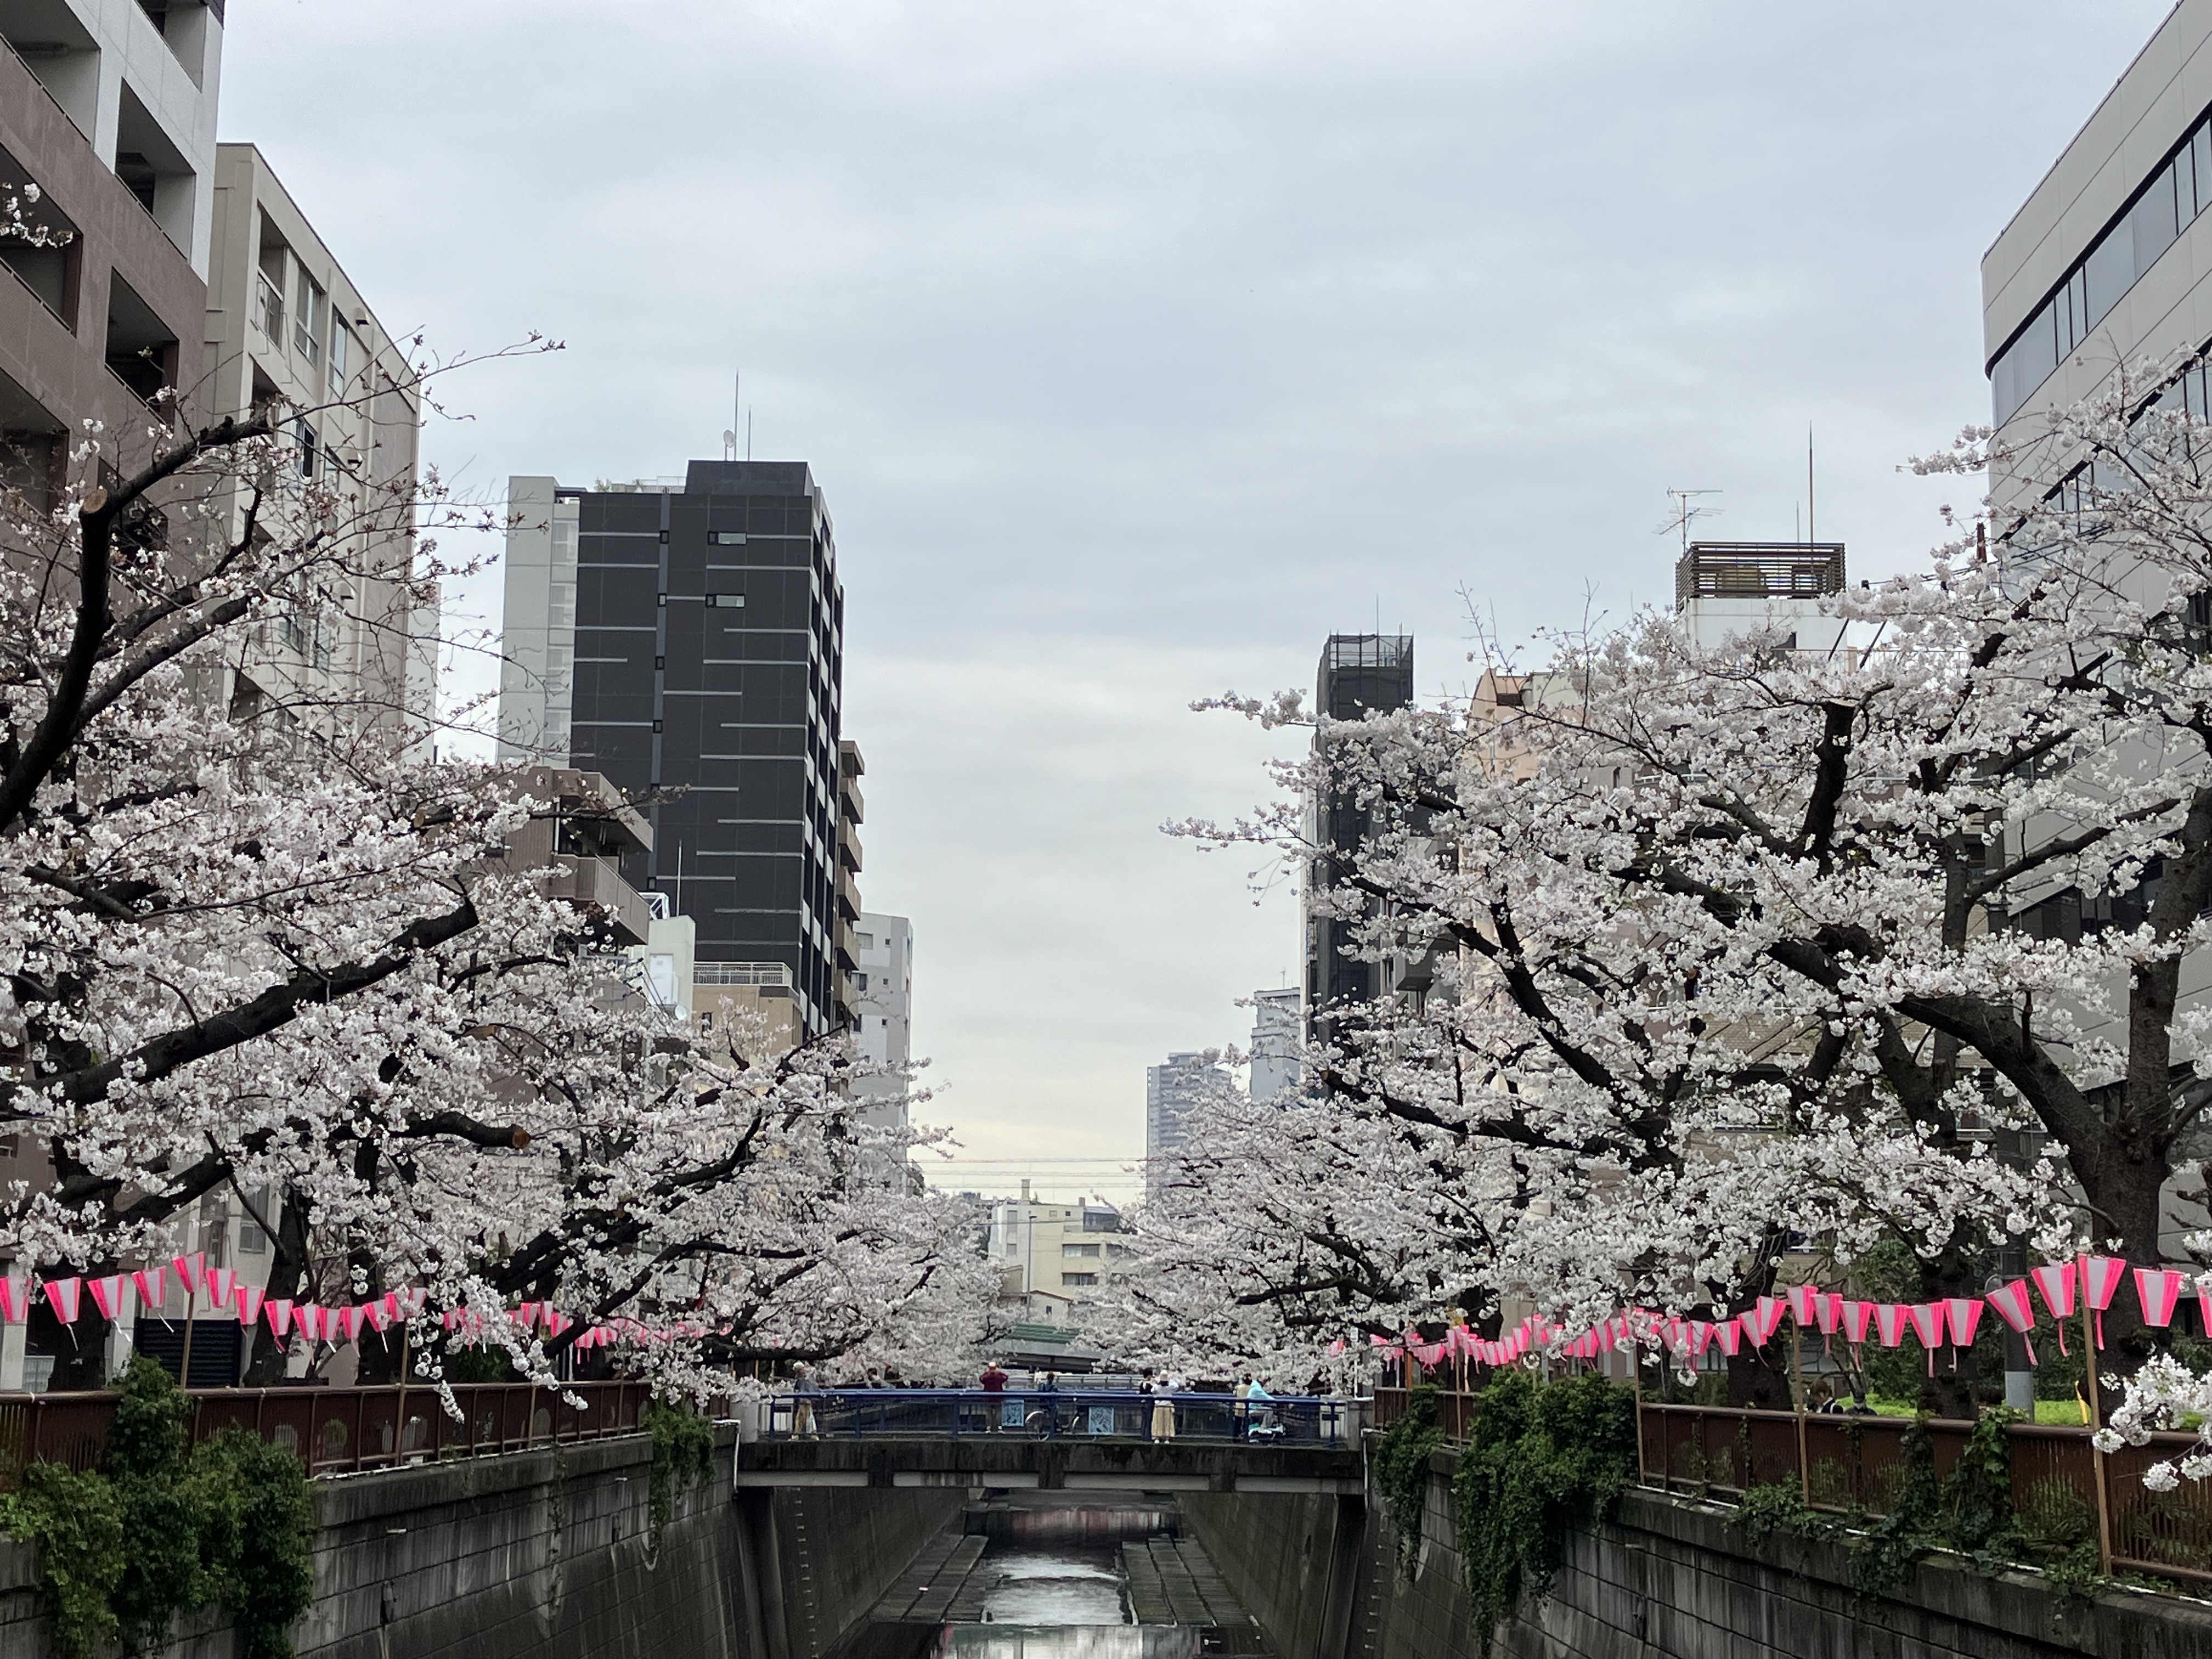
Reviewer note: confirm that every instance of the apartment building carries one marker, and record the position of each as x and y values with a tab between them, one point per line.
1172	1092
883	986
108	108
1052	1255
288	331
685	636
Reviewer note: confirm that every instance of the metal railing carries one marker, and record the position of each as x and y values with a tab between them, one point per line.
1772	571
1071	1414
337	1431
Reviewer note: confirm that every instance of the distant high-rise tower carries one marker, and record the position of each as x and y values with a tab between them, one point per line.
1359	673
686	639
1275	1030
1170	1092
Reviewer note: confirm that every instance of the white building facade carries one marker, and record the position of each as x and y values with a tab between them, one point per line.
1278	1021
884	986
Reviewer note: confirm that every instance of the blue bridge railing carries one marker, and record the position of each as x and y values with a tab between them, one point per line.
1065	1415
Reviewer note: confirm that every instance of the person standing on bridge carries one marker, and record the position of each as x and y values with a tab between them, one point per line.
994	1381
1163	1411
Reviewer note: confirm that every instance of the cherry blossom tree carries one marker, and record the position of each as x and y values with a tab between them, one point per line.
1759	944
253	943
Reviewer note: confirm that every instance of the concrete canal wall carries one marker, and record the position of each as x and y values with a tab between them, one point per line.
548	1555
1667	1578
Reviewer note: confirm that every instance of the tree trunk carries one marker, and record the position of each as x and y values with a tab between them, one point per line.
287	1271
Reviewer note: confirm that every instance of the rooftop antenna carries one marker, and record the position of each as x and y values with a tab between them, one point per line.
1688	510
1811	534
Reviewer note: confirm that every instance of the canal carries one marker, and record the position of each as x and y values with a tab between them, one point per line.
1036	1577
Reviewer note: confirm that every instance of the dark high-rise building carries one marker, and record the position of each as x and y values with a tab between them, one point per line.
688	642
1359	672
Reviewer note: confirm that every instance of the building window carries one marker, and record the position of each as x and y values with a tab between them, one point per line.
340	355
2167	204
1079	1249
307	325
1073	1280
304	435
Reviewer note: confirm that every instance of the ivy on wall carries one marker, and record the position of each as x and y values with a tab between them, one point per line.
682	1457
1402	1472
1545	1459
163	1528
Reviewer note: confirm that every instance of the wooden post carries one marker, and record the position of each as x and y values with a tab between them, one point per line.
1797	1392
2096	1427
192	1303
399	1411
1635	1387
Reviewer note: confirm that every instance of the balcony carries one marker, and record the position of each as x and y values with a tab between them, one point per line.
848	844
1759	570
848	897
850	802
595	885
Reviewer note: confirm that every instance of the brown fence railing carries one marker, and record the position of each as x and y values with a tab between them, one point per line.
1856	1463
337	1431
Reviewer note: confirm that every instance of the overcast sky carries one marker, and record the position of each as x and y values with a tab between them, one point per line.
1139	346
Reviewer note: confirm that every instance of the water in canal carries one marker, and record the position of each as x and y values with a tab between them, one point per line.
1051	1584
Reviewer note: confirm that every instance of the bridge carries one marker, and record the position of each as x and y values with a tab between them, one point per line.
1072	1441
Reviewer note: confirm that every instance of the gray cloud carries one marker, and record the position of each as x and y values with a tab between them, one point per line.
1140	345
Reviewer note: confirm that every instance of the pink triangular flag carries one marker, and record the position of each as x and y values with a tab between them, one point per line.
2055	1280
246	1298
217	1283
153	1285
1965	1315
377	1313
1804	1300
1856	1315
108	1294
1889	1321
279	1315
16	1296
1730	1334
350	1319
63	1295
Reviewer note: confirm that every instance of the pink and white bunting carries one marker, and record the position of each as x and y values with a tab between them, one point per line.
246	1299
15	1294
63	1295
108	1294
153	1286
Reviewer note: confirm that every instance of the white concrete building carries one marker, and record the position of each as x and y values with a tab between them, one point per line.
1052	1255
288	331
884	985
139	79
1726	590
1278	1021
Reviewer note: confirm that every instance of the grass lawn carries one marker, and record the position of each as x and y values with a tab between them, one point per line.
2065	1411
